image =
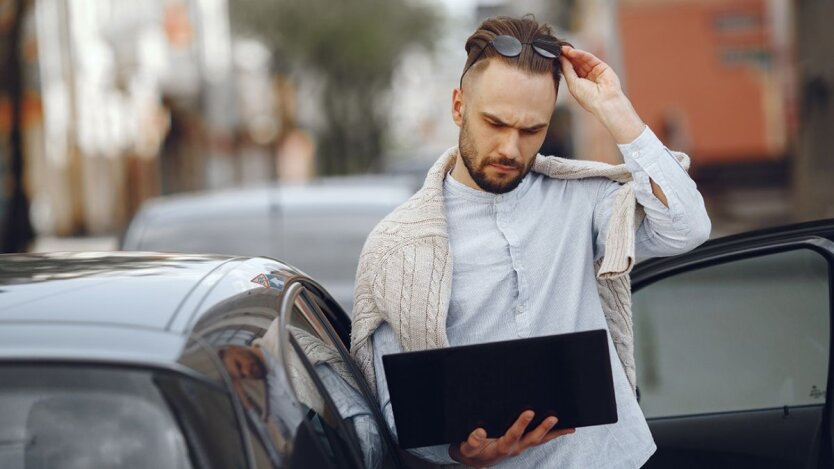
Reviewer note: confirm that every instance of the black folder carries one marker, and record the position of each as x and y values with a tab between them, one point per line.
440	396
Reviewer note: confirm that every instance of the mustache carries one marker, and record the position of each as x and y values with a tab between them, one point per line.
503	162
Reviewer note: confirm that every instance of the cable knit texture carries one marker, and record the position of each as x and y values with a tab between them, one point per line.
405	269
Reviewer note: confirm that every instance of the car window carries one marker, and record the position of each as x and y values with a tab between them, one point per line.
330	392
741	335
131	418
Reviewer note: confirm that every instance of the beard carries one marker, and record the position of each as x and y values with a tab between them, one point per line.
500	184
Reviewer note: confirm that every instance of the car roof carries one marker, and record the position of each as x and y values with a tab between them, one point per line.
116	304
326	195
129	289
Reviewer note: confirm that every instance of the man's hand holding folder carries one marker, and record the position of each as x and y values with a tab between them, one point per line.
480	451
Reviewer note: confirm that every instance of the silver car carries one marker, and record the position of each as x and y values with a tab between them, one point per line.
320	226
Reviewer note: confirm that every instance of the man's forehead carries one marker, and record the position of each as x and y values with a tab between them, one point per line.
513	96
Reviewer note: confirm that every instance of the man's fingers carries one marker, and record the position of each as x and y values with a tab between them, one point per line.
556	434
585	63
517	429
567	70
584	60
535	436
477	438
571	72
511	438
474	444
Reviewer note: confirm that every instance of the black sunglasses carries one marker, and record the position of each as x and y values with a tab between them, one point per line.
509	46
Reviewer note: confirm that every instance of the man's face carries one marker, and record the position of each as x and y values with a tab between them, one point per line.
242	363
503	120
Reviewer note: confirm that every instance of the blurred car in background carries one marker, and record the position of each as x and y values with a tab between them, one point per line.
139	360
320	226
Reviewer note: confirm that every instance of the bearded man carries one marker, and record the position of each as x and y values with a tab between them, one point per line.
501	243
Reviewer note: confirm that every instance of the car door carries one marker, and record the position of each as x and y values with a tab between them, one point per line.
733	351
317	334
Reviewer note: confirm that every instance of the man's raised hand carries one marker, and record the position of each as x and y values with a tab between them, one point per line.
597	89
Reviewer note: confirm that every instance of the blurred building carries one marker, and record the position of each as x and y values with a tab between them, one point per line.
105	66
124	100
141	99
716	79
711	76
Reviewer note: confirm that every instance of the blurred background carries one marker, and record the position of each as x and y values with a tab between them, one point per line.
106	104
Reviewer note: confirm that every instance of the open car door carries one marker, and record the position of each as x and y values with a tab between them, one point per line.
733	350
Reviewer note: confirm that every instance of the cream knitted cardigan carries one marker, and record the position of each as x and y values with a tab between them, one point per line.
405	269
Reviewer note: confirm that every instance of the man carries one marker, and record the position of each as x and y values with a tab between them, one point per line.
503	244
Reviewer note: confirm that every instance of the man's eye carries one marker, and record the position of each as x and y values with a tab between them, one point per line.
532	131
496	125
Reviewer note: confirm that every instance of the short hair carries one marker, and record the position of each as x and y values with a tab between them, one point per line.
526	29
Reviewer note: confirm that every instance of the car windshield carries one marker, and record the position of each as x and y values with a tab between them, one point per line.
82	417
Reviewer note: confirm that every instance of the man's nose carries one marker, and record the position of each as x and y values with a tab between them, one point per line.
509	145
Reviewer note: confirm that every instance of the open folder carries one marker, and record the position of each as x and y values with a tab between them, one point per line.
440	396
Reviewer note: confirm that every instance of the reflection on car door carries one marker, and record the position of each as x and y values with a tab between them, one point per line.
325	377
230	334
242	333
732	346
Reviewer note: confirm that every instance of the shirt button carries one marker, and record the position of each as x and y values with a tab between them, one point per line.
499	198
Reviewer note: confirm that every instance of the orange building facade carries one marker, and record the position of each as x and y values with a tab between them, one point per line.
710	77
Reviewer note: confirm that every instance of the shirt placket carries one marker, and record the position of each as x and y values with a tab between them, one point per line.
504	210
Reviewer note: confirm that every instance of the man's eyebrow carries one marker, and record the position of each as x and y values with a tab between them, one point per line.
495	119
535	128
498	121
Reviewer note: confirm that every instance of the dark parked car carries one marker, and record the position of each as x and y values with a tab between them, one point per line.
136	360
195	361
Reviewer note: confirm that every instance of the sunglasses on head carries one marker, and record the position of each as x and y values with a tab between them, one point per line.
509	46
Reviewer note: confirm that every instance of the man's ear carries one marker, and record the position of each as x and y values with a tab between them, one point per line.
457	106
